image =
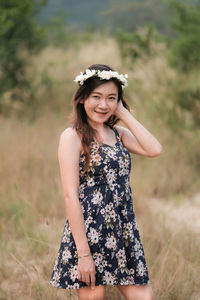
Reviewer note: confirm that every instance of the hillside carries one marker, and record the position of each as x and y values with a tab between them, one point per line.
81	15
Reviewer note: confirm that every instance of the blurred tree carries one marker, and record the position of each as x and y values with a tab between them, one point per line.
56	30
185	50
134	14
184	55
19	35
137	44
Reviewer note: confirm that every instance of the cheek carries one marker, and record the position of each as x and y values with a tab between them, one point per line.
89	106
114	105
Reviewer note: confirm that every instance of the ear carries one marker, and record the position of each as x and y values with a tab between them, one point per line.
82	101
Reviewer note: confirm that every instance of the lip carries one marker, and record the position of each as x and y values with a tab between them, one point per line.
101	114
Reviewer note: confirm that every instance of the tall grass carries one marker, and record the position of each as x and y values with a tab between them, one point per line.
32	212
172	252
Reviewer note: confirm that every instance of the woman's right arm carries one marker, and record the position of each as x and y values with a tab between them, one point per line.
68	156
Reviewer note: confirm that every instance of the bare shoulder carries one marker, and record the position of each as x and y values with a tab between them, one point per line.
70	133
120	130
70	140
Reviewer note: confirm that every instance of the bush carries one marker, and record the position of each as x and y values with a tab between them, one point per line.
185	51
19	34
138	44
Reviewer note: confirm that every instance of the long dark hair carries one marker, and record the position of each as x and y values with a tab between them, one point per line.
78	118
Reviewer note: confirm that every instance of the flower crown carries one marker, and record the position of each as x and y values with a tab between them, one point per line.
106	75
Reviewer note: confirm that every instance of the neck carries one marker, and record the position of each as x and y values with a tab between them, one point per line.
98	126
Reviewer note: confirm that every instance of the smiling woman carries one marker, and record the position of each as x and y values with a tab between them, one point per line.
102	102
101	243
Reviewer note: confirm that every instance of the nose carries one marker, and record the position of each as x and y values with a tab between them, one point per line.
103	103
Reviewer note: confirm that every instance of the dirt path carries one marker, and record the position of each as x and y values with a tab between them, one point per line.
186	213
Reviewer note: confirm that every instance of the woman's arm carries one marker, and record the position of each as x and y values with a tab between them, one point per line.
68	155
137	139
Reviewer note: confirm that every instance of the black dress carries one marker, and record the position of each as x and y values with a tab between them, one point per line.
106	200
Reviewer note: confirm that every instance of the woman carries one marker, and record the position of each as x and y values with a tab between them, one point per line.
101	243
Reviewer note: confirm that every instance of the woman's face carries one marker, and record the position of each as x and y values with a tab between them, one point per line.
101	103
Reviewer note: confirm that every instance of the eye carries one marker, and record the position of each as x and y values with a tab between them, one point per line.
112	98
95	96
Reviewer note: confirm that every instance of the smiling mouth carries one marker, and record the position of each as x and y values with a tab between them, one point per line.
101	113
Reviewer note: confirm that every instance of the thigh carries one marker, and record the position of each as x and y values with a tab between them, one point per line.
136	292
86	293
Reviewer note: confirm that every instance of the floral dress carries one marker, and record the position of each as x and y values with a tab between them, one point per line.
106	200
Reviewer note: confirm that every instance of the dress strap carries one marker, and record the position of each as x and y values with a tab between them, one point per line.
116	133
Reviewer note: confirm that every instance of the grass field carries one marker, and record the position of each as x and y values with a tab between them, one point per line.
32	212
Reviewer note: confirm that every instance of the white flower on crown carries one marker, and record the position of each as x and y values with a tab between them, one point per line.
104	75
90	73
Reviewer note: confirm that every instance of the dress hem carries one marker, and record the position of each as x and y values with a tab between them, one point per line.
62	287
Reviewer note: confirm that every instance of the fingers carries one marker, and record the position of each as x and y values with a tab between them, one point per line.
86	271
92	276
88	278
79	276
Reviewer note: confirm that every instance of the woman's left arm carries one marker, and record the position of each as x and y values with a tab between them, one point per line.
137	139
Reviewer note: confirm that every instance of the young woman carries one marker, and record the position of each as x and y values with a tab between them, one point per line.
101	243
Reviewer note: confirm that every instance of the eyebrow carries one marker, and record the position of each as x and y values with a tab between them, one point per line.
112	94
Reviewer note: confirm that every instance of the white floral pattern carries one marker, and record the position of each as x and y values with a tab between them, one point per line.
106	201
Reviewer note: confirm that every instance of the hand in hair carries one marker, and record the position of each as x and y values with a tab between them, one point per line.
120	109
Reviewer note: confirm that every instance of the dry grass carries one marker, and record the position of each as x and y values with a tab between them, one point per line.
172	248
32	213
